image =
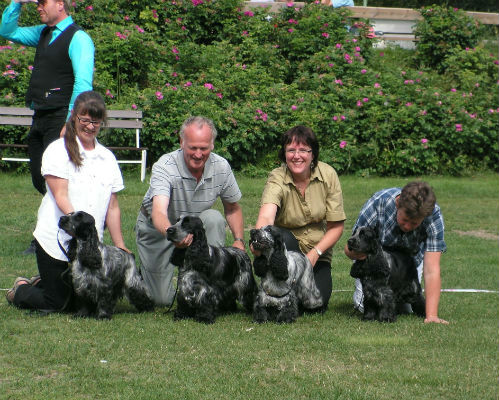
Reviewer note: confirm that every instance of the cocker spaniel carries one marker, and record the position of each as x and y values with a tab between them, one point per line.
101	274
389	277
287	286
210	279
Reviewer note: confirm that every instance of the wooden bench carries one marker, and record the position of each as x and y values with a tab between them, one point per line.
122	119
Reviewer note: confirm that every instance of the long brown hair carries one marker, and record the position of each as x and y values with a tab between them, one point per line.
90	103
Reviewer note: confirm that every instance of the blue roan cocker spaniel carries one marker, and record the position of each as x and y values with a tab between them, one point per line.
210	279
287	286
101	274
389	277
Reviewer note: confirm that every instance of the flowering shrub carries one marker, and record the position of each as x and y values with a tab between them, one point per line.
257	73
441	30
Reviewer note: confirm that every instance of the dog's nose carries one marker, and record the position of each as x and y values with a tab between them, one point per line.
170	230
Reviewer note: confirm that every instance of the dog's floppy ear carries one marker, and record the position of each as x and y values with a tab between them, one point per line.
177	257
89	253
278	261
260	266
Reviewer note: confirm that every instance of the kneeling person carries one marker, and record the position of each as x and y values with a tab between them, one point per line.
186	181
407	219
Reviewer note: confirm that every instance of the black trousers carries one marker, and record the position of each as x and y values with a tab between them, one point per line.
45	128
54	291
322	269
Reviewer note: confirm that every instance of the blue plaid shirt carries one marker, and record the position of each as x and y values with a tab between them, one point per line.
380	212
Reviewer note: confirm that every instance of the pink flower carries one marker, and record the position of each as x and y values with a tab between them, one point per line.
245	33
338	82
159	95
219	95
424	140
175	50
377	85
139	29
134	106
342	117
335	118
357	48
343	144
249	13
89	8
187	84
365	99
174	74
293	21
293	107
290	30
408	104
338	45
208	86
109	94
359	103
325	34
363	71
423	112
30	67
459	127
289	4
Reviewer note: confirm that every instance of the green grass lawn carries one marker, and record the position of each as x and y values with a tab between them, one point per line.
330	356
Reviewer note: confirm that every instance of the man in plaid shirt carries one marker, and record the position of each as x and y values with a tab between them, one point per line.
407	218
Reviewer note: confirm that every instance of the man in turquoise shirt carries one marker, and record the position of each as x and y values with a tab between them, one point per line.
62	69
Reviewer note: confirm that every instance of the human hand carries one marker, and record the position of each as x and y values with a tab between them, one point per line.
124	248
185	242
436	320
358	256
313	256
256	253
238	244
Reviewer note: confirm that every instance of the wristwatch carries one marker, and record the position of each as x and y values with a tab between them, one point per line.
240	239
318	251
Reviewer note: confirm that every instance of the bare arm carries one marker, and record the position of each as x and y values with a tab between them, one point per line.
159	216
433	286
59	188
266	216
113	222
234	215
333	233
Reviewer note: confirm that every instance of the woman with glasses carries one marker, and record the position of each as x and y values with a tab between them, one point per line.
304	197
80	175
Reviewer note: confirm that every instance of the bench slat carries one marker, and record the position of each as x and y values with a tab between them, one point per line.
122	119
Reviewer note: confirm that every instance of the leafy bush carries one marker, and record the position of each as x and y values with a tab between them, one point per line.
441	30
258	73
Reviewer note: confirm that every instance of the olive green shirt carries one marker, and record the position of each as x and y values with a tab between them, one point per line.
306	217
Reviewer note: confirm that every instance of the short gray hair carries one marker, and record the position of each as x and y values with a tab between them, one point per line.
200	122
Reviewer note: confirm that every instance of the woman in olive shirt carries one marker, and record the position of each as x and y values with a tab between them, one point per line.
304	197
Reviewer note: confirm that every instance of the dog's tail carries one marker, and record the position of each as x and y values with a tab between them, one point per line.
137	292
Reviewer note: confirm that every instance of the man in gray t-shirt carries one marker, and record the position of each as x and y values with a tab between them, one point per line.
186	181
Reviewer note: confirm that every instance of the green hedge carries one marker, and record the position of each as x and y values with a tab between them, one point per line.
256	74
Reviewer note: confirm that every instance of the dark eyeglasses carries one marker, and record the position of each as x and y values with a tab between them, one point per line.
86	121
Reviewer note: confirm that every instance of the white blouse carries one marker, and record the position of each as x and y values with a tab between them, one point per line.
89	189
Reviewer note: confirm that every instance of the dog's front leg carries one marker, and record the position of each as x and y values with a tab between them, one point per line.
105	305
289	312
